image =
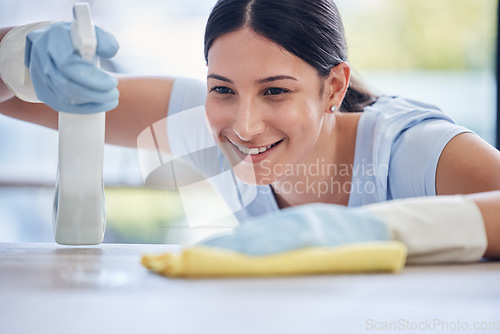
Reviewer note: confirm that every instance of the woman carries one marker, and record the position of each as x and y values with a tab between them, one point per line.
282	108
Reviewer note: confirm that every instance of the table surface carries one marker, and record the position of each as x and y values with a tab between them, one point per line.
47	288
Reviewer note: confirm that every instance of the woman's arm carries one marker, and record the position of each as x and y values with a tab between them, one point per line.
31	112
468	165
143	101
489	205
5	93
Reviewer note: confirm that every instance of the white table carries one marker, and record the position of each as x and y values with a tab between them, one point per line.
47	288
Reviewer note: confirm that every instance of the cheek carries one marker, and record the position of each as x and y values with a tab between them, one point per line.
304	118
217	116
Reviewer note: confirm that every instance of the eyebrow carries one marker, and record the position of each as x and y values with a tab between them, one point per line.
219	77
259	81
276	78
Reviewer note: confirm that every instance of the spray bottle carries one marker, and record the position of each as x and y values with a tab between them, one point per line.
79	208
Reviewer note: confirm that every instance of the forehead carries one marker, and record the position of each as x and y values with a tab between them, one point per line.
244	52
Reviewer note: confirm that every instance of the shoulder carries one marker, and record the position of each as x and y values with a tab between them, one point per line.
383	124
468	164
395	125
401	140
400	113
419	133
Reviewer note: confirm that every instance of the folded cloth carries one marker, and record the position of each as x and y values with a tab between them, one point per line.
204	261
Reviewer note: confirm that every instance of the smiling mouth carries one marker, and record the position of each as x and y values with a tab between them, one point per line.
255	150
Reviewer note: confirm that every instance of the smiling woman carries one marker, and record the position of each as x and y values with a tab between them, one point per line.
276	102
279	92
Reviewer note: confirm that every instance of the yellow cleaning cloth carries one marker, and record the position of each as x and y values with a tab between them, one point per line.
203	261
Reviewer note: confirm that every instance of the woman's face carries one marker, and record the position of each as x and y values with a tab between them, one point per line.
265	106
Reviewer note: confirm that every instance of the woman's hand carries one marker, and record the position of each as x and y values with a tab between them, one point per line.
311	225
62	79
434	229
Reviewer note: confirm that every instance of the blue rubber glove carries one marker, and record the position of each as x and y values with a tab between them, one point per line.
302	226
62	79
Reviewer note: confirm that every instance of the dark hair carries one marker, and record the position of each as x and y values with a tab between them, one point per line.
310	29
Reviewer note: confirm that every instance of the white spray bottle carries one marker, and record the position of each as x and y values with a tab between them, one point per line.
79	208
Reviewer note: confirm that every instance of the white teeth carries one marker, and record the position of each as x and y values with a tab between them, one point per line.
244	150
253	151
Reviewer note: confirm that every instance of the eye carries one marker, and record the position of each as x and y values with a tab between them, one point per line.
222	90
276	91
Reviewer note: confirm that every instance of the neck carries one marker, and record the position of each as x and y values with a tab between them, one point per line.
325	174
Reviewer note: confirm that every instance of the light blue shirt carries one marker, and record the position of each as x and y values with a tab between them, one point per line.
398	145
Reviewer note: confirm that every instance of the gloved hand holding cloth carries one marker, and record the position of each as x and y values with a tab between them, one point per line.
325	238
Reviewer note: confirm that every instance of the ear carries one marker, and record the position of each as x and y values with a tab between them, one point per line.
336	84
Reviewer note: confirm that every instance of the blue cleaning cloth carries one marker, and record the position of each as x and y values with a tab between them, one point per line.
310	225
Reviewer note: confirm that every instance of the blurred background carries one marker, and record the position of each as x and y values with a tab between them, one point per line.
438	51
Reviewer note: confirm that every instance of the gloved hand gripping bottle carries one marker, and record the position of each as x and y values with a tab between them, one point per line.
79	207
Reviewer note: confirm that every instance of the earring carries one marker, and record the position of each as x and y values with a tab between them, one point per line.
333	109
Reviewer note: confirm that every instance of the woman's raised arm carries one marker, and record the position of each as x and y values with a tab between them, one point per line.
141	102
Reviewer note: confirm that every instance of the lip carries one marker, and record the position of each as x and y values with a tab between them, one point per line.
258	157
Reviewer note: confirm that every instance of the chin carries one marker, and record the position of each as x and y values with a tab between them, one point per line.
244	169
246	174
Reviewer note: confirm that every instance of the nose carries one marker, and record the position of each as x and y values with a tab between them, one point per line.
248	123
